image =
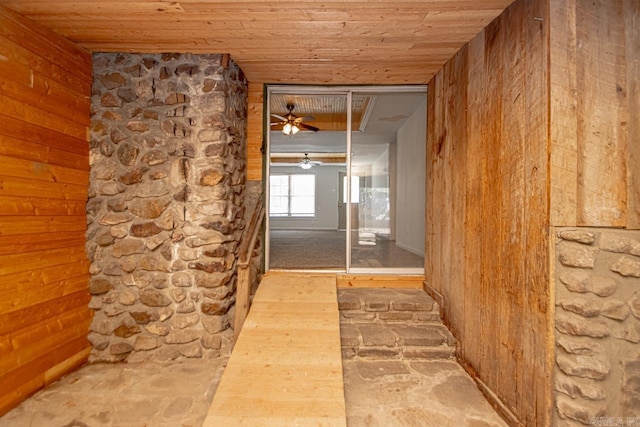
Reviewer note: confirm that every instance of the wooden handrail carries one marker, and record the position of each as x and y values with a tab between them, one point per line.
243	288
247	245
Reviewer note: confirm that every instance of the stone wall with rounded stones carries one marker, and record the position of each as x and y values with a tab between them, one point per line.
165	209
597	327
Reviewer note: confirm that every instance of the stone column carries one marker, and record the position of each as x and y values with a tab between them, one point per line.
165	209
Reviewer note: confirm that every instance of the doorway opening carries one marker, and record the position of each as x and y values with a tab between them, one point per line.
345	178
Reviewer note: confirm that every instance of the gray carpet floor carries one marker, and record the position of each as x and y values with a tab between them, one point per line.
326	249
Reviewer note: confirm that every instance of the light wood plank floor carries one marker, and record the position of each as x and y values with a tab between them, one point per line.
286	367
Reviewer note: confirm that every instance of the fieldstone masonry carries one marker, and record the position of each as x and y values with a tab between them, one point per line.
597	378
392	324
165	210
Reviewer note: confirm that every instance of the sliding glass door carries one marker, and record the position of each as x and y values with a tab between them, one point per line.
347	189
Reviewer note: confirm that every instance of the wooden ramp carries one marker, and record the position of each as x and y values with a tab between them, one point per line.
286	367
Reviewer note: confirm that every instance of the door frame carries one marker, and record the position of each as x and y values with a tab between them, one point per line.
348	91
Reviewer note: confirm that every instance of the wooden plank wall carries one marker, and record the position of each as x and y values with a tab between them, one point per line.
45	83
487	208
254	131
632	50
595	110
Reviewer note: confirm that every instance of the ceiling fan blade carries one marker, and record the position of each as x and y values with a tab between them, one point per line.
279	117
309	127
299	120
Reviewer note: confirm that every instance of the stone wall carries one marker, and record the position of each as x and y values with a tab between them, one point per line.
597	326
165	209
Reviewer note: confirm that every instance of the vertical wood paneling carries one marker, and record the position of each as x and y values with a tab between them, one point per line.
491	288
632	45
473	260
44	177
434	187
444	172
594	113
487	198
430	187
447	159
457	123
564	158
538	345
602	142
512	164
255	99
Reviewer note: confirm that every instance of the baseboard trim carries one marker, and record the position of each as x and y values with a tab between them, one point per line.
409	249
66	366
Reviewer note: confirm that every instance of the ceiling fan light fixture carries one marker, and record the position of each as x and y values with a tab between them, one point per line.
306	162
290	129
292	124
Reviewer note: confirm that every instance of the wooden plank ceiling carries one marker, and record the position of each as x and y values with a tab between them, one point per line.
302	42
328	112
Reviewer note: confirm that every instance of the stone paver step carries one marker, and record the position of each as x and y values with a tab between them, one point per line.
443	351
392	324
393	341
387	305
372	334
386	300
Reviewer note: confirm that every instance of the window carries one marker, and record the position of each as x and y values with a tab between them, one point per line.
292	195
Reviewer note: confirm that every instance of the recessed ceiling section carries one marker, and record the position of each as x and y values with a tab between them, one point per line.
377	117
329	112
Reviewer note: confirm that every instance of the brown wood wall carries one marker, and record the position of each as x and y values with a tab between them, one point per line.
487	207
45	83
254	131
595	110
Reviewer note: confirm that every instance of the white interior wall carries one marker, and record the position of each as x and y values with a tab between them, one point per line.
411	180
326	199
372	218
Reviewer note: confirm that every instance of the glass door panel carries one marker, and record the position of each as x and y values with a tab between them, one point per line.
307	160
388	151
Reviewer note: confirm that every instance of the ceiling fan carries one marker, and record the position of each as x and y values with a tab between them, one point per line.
292	123
307	163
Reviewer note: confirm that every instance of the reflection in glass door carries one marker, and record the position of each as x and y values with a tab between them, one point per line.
388	155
